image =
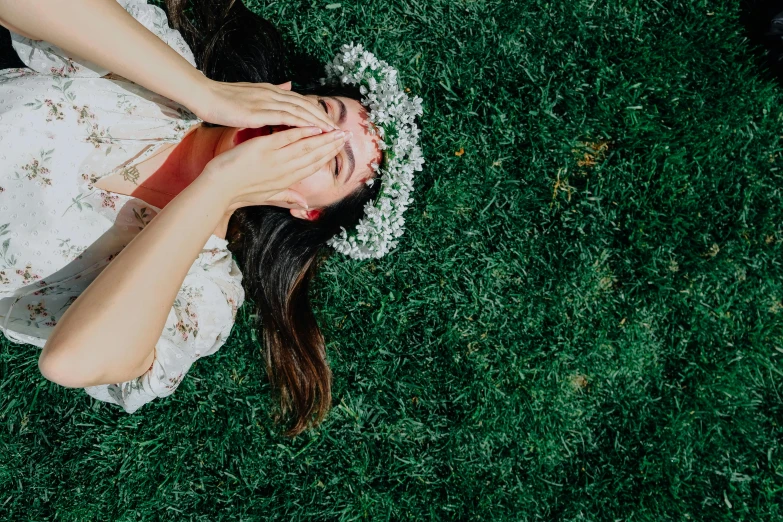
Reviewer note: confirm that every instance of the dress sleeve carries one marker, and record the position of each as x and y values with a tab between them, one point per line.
46	58
198	324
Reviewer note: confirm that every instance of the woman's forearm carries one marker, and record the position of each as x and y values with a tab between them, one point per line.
102	32
110	330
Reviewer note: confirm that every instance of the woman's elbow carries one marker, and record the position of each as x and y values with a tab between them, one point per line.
72	374
59	373
65	373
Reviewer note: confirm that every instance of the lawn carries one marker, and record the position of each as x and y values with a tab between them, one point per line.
584	320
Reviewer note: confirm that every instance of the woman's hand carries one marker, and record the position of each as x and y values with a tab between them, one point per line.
261	170
253	105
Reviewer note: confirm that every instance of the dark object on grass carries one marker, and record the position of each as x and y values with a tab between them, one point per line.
763	23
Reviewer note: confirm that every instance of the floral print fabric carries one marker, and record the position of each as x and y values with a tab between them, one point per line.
62	128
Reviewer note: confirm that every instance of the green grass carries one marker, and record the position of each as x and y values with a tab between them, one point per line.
584	320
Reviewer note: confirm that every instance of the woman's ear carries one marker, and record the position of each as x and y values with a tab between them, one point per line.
285	86
309	215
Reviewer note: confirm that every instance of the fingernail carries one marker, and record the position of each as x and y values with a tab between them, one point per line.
348	135
315	130
338	135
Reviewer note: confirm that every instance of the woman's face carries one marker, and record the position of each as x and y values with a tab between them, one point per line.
344	173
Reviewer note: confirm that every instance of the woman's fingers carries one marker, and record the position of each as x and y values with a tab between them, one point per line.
311	113
318	152
246	104
276	99
283	138
278	113
289	97
315	166
283	117
298	174
289	196
307	103
304	108
291	140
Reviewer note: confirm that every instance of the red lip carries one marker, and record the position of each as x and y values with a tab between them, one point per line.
246	134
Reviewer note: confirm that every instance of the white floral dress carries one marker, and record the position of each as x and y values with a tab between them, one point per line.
63	127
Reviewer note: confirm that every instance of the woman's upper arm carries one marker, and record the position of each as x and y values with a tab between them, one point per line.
199	323
17	31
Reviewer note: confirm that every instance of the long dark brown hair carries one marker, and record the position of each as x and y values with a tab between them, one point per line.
277	253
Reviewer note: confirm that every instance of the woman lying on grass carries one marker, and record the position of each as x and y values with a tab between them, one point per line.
121	303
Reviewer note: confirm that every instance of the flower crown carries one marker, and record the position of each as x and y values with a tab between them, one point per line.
391	114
